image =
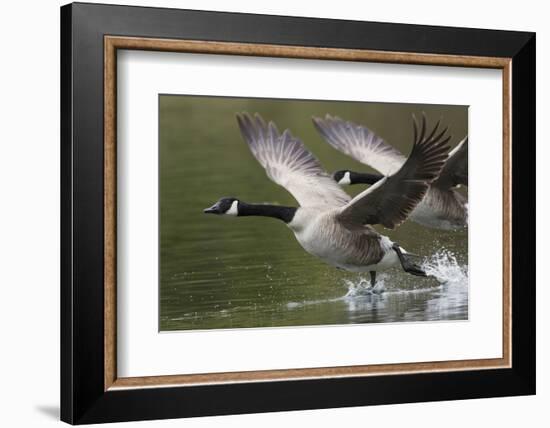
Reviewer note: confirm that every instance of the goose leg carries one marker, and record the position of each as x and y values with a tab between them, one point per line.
372	278
407	263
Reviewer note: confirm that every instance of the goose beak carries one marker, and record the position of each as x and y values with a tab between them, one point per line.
214	209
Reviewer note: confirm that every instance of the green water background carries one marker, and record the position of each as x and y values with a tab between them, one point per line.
218	272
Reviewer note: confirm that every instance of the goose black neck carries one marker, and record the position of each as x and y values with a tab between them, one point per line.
285	214
364	177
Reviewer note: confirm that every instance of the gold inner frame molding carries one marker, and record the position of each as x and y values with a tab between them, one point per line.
113	43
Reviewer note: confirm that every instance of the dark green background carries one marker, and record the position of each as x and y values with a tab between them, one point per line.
218	272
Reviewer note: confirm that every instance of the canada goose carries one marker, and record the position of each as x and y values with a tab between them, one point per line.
442	207
328	223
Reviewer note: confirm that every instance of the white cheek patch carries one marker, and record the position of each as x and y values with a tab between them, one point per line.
386	243
233	210
345	180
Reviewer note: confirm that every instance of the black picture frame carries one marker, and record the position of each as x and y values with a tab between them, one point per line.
83	398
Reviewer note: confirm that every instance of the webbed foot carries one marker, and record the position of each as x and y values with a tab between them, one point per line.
407	262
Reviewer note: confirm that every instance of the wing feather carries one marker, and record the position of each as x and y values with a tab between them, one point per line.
290	164
455	171
360	143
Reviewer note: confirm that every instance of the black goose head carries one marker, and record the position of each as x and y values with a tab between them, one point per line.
346	176
227	206
342	176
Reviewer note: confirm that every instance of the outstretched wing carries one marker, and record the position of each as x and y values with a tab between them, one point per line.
455	171
290	164
390	201
360	143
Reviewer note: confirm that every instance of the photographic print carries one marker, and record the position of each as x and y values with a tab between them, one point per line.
285	212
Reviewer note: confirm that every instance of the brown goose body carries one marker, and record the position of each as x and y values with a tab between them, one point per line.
445	209
356	249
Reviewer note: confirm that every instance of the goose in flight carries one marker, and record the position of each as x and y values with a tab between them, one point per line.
442	206
328	223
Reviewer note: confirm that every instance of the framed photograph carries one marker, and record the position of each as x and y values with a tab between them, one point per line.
266	213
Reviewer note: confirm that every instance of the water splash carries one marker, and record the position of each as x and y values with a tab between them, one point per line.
357	289
444	267
361	286
451	277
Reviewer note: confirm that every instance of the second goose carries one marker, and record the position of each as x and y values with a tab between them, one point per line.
442	206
